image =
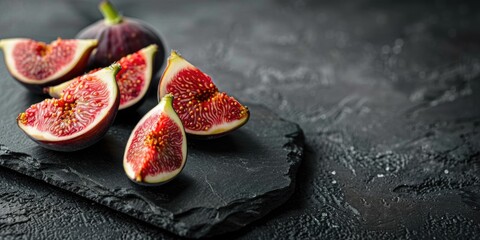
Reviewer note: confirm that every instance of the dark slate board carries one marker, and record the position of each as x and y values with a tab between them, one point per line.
226	184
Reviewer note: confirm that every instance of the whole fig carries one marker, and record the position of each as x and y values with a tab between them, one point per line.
119	36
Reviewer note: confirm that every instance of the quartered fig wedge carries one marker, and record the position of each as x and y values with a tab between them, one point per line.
79	118
157	148
37	64
205	112
133	79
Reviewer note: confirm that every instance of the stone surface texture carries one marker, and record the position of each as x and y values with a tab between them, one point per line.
387	93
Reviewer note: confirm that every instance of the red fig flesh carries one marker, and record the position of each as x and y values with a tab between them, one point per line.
205	112
79	118
119	36
133	79
157	148
37	64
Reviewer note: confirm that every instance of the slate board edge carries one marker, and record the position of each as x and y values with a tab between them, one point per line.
295	148
29	166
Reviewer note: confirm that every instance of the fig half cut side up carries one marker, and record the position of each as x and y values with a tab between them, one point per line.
37	65
79	118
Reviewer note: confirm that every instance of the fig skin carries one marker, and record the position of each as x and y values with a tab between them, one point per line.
119	36
219	135
77	70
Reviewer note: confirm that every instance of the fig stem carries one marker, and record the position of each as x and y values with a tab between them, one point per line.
109	12
168	98
115	67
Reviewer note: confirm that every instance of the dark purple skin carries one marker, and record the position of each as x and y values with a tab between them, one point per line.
118	40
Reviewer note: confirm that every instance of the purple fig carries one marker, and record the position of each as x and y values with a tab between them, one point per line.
119	36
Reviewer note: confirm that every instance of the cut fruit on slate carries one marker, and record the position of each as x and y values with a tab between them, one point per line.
157	148
37	64
205	112
79	118
133	79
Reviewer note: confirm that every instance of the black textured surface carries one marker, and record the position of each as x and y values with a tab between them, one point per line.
386	92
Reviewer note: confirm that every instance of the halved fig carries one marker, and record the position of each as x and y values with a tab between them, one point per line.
133	79
157	148
205	112
79	118
37	64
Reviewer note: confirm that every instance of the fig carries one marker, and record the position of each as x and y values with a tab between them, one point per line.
133	79
79	118
205	112
37	64
119	36
157	148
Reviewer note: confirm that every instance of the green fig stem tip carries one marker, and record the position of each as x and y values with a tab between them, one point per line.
115	67
168	97
109	12
174	53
